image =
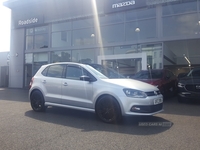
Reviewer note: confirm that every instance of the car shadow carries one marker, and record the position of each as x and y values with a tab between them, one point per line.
86	121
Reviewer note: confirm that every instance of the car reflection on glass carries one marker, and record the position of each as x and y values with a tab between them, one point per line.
164	79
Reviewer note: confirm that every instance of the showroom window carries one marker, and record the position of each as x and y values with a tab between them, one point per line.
113	33
83	56
83	37
180	25
140	24
190	6
61	34
62	56
83	32
39	59
55	71
180	19
37	38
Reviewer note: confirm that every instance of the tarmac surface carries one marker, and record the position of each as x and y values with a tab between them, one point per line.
178	127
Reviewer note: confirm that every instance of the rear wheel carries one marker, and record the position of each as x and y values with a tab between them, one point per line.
37	101
108	109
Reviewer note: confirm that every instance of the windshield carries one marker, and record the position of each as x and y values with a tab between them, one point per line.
110	73
97	73
194	73
148	75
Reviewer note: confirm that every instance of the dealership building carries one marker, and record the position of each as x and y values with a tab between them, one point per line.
126	35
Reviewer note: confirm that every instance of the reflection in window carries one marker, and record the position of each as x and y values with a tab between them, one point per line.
41	41
29	58
73	72
83	56
61	26
61	39
83	37
114	18
37	37
77	24
39	59
29	42
147	29
60	56
114	33
55	71
180	25
180	8
141	14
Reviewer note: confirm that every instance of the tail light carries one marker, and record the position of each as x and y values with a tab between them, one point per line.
31	83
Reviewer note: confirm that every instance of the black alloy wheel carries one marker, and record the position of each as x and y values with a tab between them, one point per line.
37	101
108	109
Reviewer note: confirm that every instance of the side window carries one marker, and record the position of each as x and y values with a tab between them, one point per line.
73	72
55	71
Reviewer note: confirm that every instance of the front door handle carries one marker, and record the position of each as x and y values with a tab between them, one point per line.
65	84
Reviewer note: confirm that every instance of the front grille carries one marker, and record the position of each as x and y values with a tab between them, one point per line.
153	93
147	109
193	88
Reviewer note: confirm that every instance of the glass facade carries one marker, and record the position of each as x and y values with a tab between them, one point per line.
37	38
180	19
125	32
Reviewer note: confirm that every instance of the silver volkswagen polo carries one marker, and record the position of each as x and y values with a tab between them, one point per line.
79	86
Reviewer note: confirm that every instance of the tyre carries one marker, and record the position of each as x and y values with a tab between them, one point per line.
108	109
37	101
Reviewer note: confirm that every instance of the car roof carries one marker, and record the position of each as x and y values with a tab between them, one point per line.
67	63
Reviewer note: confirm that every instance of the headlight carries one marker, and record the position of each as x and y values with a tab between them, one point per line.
181	85
134	93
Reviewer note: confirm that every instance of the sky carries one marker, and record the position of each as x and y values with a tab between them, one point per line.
5	18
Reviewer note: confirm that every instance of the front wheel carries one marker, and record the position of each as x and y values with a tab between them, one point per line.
37	101
108	109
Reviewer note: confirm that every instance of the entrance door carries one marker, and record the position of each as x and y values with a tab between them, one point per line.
125	64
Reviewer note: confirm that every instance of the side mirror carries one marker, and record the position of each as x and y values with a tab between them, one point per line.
85	78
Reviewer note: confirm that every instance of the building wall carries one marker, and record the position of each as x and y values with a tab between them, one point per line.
4	57
16	71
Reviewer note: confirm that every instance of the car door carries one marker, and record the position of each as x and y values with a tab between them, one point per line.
76	92
53	76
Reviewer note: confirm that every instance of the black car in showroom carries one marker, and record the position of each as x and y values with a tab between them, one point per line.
189	86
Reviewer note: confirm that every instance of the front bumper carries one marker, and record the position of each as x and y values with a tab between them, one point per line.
142	106
188	94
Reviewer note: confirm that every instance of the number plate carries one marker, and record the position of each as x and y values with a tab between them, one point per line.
158	101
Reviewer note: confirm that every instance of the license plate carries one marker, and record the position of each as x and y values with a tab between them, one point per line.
158	101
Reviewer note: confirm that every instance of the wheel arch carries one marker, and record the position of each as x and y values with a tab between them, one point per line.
114	98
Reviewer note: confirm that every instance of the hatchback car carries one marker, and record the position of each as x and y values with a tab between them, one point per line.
79	86
189	86
164	79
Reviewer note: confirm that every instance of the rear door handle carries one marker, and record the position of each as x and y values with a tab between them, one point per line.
44	81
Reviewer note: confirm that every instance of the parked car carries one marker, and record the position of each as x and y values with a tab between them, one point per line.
80	86
189	86
164	79
108	72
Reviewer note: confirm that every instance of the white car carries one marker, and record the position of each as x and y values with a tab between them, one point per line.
79	86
